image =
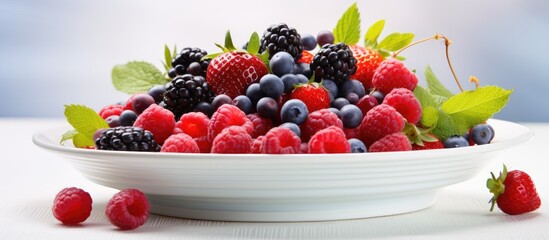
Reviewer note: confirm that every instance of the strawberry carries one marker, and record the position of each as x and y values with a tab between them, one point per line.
231	71
514	192
306	57
313	94
367	60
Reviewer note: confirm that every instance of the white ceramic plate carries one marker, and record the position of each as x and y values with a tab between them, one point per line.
301	187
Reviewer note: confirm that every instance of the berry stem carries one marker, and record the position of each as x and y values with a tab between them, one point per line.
447	43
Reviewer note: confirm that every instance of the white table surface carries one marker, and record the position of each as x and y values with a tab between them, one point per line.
31	177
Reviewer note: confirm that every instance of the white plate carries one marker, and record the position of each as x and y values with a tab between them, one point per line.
301	187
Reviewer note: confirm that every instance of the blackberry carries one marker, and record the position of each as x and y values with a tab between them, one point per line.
184	93
281	38
335	62
127	139
189	61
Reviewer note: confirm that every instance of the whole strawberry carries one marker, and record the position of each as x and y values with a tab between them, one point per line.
367	60
514	192
231	72
313	94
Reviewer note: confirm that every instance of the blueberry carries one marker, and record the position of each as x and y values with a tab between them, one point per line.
352	86
481	134
267	107
289	81
493	132
243	103
336	111
304	68
324	37
253	92
295	111
352	98
205	108
332	88
308	41
340	102
302	78
379	96
282	63
140	102
292	126
157	92
220	100
357	146
113	121
127	118
455	142
351	116
271	85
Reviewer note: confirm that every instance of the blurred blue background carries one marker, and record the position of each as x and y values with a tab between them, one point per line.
61	52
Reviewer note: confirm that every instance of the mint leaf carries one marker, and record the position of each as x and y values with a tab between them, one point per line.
253	44
446	126
370	39
396	41
85	122
167	58
135	77
429	117
435	85
425	98
347	29
470	108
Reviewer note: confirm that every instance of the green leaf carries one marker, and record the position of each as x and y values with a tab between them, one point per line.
425	98
264	56
229	42
429	117
68	135
477	106
347	29
446	126
211	56
435	85
135	77
167	58
85	122
370	39
396	41
253	44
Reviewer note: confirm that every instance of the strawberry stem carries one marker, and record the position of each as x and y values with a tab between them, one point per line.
447	43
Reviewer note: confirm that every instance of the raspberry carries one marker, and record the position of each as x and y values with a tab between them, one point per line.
128	209
181	142
234	139
404	101
380	121
111	110
317	121
225	116
256	145
391	143
195	124
392	74
129	103
72	206
159	121
304	147
261	124
329	140
352	132
281	140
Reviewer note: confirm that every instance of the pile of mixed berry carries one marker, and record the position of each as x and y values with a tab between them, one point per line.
287	92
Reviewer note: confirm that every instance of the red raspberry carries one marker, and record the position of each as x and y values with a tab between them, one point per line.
261	124
405	102
256	145
379	122
352	132
329	140
391	143
233	139
281	140
72	206
181	143
392	74
195	124
228	115
317	121
129	102
304	147
159	121
111	110
128	209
